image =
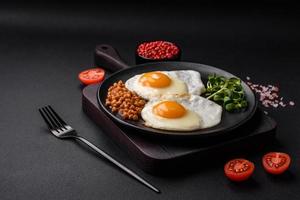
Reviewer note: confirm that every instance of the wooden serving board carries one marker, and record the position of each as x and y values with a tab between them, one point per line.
160	155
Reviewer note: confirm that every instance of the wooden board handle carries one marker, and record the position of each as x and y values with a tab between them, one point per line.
107	57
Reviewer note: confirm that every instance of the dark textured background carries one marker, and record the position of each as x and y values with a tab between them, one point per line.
44	46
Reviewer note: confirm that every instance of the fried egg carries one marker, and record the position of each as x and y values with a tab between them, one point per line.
153	84
181	113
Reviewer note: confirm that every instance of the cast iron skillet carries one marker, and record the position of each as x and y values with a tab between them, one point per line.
106	56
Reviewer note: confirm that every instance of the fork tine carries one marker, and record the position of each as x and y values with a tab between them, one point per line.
57	121
45	119
52	118
55	126
57	116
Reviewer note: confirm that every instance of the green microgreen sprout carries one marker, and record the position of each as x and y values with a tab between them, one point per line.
227	92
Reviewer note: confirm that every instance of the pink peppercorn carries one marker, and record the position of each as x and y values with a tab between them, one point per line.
158	50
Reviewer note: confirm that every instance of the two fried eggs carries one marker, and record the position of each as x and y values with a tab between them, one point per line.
174	101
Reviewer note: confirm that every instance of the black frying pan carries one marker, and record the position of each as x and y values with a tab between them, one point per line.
107	57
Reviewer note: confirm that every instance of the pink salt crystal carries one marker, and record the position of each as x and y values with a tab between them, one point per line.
264	89
282	104
292	103
268	95
276	89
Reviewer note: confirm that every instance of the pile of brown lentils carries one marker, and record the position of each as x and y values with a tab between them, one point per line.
128	104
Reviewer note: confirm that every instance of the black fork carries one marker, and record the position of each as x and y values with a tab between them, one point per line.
62	130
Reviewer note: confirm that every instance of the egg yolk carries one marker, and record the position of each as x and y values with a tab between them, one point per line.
169	109
155	79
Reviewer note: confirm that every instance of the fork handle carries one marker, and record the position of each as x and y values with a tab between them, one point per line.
124	168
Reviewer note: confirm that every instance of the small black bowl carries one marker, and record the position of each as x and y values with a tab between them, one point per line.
141	59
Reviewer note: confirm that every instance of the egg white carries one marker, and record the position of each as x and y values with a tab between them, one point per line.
191	78
201	113
182	82
190	121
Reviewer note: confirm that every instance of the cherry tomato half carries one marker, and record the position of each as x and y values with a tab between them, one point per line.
90	76
238	169
276	162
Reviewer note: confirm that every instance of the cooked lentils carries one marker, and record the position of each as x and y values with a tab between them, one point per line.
128	104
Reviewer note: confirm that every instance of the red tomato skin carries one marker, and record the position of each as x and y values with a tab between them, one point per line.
86	80
239	177
273	170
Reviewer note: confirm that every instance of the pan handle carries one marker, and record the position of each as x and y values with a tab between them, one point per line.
107	57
